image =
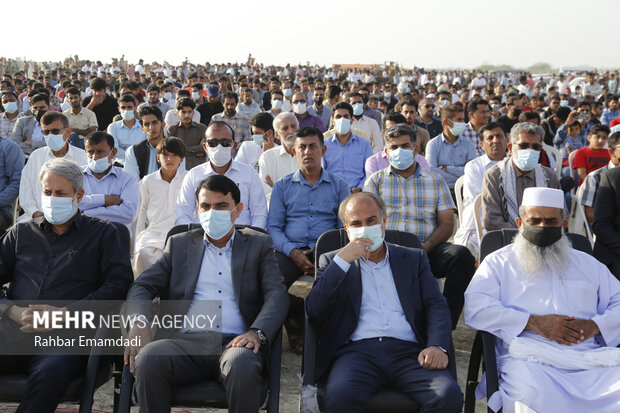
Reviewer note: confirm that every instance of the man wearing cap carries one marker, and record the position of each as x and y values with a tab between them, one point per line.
555	313
504	183
212	106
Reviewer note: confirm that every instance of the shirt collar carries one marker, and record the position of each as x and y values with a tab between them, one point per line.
136	125
113	171
385	261
226	247
298	177
456	142
418	171
282	151
77	223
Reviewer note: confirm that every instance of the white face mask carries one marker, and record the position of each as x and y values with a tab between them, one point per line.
220	155
300	108
276	104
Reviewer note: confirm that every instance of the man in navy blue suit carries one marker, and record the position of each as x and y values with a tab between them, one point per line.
381	319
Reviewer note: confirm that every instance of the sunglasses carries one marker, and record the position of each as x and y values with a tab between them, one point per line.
298	101
525	145
52	131
224	142
429	105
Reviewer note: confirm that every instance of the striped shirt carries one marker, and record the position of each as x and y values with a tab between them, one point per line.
471	134
239	123
587	190
412	203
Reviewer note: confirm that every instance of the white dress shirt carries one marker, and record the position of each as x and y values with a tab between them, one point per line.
253	198
29	186
249	154
275	163
368	129
472	187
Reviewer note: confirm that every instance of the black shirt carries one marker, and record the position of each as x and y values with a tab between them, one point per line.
507	123
105	111
87	262
207	111
434	128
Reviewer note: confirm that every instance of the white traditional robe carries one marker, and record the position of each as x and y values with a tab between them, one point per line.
157	203
500	299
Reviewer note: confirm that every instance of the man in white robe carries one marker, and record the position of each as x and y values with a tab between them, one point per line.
553	310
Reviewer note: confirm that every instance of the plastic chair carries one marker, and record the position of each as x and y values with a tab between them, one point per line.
385	400
483	349
552	150
478	219
458	193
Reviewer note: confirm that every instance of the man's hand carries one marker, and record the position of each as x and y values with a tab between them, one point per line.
356	189
443	168
29	143
585	328
557	327
269	181
143	331
571	118
248	340
95	101
112	200
38	214
25	316
359	247
300	258
432	358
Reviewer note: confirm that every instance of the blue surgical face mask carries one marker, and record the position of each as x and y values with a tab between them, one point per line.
55	142
10	107
401	159
342	125
526	159
388	96
215	223
258	139
127	114
564	103
358	109
167	95
196	95
98	166
372	233
58	210
457	128
287	92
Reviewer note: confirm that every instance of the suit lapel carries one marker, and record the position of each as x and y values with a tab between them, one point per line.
193	261
238	257
402	273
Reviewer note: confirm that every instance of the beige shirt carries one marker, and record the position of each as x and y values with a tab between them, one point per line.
83	120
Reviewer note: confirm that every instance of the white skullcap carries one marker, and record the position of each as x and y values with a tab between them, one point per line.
430	96
543	197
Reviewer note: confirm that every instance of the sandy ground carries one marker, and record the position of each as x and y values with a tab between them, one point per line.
291	365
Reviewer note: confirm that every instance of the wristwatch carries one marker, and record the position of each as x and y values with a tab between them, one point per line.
261	336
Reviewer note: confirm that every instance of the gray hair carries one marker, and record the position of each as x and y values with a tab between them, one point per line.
281	117
65	168
527	128
400	129
368	195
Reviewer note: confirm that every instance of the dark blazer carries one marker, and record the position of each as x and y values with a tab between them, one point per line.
607	221
257	281
335	300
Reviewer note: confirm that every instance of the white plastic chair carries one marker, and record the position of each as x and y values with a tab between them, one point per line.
557	155
478	218
571	158
458	193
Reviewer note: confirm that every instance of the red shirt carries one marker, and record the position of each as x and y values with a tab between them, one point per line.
614	122
590	159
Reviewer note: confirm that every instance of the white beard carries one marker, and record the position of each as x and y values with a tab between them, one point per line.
536	261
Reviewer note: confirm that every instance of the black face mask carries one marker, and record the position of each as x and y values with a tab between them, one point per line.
516	112
542	236
38	114
318	101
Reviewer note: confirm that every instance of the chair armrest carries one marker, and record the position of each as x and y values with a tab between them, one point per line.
490	362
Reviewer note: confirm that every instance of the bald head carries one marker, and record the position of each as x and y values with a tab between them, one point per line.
361	207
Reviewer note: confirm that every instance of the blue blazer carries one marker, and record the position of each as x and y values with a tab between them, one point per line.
334	303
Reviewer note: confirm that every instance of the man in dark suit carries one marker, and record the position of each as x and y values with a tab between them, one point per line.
607	221
381	319
217	262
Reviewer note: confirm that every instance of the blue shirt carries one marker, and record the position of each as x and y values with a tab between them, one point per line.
11	165
454	156
381	313
347	161
115	182
299	212
125	137
562	133
215	284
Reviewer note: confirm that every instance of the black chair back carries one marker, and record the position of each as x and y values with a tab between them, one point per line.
177	229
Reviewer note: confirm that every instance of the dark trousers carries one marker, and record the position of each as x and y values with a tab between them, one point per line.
173	362
364	367
48	378
457	265
291	274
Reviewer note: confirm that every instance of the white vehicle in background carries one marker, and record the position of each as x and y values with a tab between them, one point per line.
578	81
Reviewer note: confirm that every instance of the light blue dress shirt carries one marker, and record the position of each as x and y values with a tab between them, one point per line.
215	283
115	182
125	137
299	212
454	156
347	161
381	313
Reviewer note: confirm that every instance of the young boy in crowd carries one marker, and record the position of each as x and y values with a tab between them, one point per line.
158	195
593	156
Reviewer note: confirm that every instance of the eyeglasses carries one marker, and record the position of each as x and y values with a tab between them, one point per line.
429	105
295	102
52	131
526	145
224	142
